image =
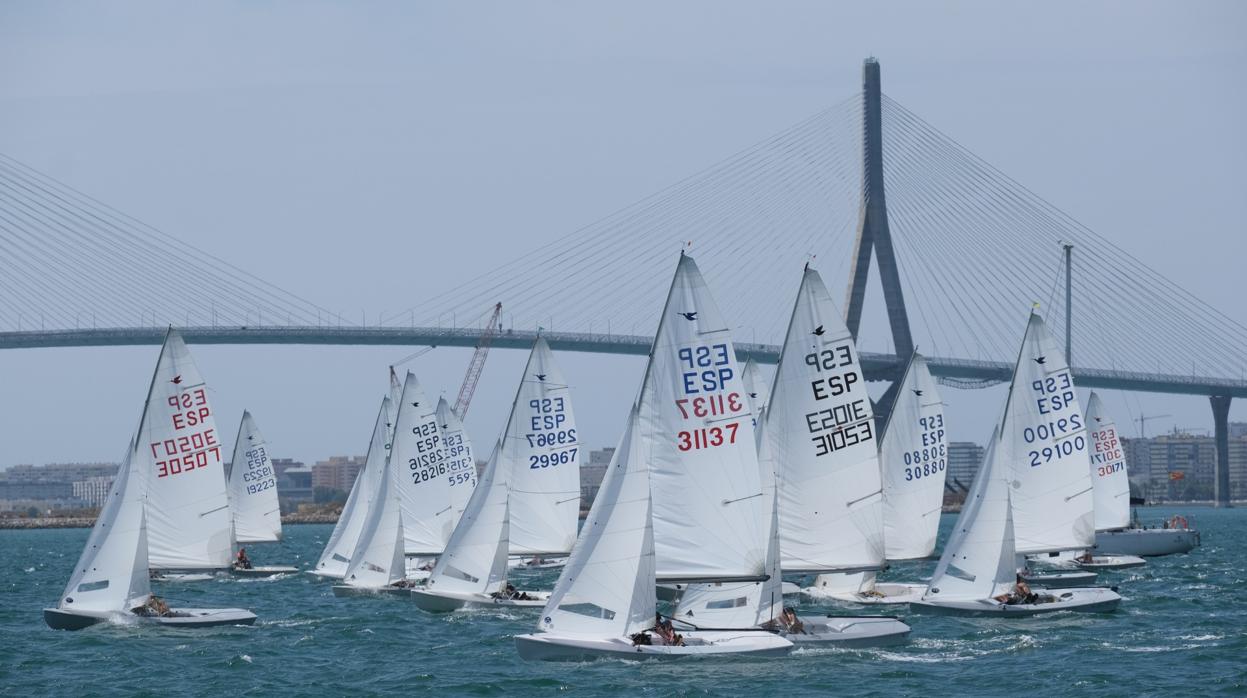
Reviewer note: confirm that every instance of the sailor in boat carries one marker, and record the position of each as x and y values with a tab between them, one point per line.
241	561
666	632
1022	594
156	608
509	592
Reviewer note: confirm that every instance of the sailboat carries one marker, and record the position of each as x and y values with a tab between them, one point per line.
604	602
111	577
914	461
376	563
431	501
346	532
473	569
818	378
252	492
1116	533
189	526
1031	495
683	501
756	387
760	604
545	455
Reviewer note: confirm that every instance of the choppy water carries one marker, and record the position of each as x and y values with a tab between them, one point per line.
1180	632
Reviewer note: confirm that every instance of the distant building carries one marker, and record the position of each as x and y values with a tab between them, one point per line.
337	473
592	473
964	460
94	490
294	485
59	472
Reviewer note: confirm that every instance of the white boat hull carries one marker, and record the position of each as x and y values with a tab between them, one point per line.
1091	600
60	619
263	571
526	563
883	594
182	576
698	643
1146	542
851	631
445	602
1059	580
1112	562
347	591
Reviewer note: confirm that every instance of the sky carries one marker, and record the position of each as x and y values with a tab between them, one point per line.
363	155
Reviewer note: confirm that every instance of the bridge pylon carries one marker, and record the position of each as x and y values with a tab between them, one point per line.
873	234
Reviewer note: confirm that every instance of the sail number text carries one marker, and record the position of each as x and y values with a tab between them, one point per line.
930	459
186	452
839	426
548	428
1055	395
705	374
1106	452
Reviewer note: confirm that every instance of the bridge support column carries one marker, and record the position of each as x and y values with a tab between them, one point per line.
873	234
1221	425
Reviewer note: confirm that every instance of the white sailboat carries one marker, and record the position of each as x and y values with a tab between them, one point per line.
473	569
1032	495
756	387
376	564
683	501
189	527
731	605
1115	533
111	577
420	460
542	447
252	492
345	537
604	602
914	461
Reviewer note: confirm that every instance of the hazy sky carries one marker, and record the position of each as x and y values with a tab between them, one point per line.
363	154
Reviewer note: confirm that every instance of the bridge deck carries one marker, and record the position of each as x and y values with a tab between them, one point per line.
877	366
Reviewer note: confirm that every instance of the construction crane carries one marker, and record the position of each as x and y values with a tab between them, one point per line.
492	328
1142	420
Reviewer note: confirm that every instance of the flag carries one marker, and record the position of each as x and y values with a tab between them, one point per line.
1175	475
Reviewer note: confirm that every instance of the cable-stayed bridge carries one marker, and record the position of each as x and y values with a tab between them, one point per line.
961	253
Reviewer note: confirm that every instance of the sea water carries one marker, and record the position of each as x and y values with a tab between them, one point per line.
1180	631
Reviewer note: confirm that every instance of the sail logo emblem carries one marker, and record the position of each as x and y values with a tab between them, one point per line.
690	316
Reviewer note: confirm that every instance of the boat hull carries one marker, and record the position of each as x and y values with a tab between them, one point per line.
1059	580
265	571
59	619
851	631
444	602
1112	562
526	564
348	591
182	576
887	593
1091	600
701	643
1146	542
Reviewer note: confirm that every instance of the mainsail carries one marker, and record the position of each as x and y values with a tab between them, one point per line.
111	574
253	487
377	559
914	459
345	537
756	387
179	453
541	446
460	462
696	433
419	460
607	588
979	558
822	433
1043	449
1111	486
475	560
